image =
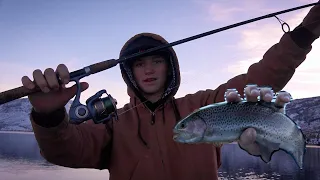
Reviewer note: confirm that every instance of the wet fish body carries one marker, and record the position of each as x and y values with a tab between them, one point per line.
224	122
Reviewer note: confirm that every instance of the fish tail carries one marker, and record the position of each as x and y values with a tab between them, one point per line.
298	156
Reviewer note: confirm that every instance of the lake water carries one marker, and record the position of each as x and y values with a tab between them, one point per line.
20	160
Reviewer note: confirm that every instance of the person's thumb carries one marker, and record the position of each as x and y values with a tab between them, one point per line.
72	91
248	137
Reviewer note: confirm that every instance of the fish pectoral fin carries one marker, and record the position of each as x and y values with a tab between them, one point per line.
219	144
267	149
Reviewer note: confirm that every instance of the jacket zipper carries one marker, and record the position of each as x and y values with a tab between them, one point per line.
152	123
153	118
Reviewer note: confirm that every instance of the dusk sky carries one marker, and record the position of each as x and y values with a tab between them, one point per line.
40	34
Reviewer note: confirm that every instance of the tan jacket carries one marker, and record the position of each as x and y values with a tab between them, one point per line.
135	148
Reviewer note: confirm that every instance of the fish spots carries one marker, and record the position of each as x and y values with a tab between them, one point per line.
226	121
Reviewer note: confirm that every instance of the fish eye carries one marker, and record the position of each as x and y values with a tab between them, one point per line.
183	125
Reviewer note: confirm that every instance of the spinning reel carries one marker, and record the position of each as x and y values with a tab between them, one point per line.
100	110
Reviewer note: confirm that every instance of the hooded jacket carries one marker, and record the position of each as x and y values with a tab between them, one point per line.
139	144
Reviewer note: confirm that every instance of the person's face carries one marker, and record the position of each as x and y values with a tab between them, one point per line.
150	72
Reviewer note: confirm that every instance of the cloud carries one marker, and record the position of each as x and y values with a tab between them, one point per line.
308	1
188	73
229	11
257	39
12	72
219	12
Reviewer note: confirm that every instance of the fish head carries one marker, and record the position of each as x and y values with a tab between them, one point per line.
190	130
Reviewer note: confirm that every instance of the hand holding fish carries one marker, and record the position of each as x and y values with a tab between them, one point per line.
258	123
248	137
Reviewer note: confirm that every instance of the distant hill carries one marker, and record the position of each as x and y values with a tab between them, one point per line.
306	113
14	116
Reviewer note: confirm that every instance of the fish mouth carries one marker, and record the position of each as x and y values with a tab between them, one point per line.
176	135
186	139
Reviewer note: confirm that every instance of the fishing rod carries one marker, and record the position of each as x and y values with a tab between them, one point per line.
102	109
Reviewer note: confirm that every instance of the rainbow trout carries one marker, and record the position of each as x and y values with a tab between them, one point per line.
224	122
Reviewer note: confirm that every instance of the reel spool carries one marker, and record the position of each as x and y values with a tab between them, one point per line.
100	110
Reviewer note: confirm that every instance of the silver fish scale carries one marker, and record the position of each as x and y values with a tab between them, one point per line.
226	115
268	123
226	122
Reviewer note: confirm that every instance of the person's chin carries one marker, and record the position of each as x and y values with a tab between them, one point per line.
150	90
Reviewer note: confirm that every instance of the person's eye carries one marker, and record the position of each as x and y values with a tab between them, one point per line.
158	61
139	64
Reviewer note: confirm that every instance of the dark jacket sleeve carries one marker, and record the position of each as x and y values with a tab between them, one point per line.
77	146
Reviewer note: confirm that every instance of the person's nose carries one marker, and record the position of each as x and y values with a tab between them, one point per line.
149	69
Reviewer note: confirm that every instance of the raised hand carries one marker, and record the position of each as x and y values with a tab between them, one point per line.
53	95
247	139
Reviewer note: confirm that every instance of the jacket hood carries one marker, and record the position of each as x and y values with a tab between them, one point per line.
144	41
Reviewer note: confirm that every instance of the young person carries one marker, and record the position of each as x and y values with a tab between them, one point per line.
139	145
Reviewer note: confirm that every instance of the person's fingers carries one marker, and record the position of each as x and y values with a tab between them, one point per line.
232	95
63	73
248	136
266	94
282	98
51	78
40	80
27	83
247	141
251	93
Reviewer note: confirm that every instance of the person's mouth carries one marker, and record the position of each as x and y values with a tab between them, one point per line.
149	80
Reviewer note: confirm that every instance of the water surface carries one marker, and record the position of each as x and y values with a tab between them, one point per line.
20	160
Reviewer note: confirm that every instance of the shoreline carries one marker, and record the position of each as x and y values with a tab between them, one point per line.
16	132
31	132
